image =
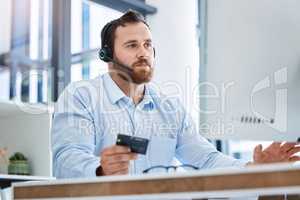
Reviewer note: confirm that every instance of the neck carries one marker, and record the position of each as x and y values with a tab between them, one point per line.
132	90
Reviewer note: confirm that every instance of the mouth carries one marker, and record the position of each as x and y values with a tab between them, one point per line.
142	64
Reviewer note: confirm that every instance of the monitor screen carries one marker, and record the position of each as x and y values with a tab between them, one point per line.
252	87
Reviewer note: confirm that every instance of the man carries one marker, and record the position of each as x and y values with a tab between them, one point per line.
89	115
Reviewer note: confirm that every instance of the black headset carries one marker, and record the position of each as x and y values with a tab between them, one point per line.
106	52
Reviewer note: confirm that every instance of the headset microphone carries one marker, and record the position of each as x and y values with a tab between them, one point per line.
103	55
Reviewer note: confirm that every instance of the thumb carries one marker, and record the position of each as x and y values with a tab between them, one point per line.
258	148
257	152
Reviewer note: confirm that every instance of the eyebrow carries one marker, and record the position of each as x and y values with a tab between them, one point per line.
133	41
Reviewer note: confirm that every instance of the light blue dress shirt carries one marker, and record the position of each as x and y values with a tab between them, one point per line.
89	115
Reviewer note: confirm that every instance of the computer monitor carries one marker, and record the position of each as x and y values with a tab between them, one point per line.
252	75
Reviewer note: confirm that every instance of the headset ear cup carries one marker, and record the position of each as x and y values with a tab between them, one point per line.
104	54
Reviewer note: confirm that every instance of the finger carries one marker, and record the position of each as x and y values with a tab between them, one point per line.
274	145
293	151
122	172
294	158
109	171
115	150
120	158
287	146
118	166
109	168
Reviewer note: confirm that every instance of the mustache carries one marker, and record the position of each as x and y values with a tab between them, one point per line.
142	62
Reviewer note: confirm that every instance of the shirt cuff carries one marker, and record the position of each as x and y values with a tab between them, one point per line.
92	167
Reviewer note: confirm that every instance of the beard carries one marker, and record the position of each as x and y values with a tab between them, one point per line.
142	72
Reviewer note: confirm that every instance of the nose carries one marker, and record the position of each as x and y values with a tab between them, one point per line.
144	52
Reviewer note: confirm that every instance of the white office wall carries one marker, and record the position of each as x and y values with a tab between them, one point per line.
26	128
175	37
4	80
5	24
29	135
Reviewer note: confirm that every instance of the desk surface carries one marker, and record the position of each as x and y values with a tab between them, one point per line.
258	180
6	179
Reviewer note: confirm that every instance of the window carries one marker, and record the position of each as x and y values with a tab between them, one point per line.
39	51
86	37
26	40
24	50
5	33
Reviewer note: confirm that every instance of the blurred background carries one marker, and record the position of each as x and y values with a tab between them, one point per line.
46	44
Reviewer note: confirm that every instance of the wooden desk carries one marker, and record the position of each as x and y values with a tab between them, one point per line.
6	180
262	180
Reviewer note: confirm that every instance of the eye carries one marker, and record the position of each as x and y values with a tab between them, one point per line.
133	45
148	45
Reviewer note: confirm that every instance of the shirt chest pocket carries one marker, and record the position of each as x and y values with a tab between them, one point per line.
161	150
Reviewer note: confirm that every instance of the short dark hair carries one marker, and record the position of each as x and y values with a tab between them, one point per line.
108	31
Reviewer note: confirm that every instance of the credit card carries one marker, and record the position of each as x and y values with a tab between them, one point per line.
136	144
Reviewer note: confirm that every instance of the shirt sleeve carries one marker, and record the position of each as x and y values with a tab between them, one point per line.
73	136
194	149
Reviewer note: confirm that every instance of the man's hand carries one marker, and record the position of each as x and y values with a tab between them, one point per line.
276	152
115	160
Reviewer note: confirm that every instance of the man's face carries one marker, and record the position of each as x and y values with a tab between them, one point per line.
133	47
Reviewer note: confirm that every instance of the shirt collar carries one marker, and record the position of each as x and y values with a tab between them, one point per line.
115	93
148	100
